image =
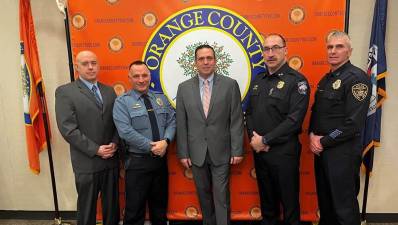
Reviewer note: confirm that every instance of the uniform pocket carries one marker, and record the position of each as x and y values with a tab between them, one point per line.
139	119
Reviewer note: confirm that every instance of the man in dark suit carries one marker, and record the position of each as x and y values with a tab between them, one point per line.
210	134
84	117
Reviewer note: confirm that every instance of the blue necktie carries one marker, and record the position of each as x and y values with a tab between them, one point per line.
97	97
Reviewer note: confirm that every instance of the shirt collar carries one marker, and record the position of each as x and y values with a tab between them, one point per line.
88	84
279	72
138	95
210	78
337	72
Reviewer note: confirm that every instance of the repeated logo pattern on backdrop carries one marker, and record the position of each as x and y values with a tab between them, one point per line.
164	34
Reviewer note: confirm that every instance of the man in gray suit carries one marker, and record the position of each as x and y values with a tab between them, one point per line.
84	117
210	134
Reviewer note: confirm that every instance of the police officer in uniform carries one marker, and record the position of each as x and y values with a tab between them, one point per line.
146	121
338	116
278	104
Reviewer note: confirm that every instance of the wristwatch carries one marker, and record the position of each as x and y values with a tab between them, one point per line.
265	140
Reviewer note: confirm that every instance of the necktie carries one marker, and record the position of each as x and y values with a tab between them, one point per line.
206	97
152	118
97	97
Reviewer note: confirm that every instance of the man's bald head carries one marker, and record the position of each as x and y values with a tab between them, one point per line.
87	65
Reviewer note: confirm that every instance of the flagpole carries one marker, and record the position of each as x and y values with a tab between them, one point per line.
68	43
347	16
57	218
365	195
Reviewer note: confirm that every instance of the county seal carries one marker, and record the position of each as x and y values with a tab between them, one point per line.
170	51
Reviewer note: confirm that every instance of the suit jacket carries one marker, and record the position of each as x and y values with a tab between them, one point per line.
85	125
221	133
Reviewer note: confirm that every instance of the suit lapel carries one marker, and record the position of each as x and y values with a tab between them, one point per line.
87	92
196	95
216	81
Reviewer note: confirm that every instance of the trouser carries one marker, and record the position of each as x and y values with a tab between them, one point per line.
212	186
337	183
146	182
278	179
89	186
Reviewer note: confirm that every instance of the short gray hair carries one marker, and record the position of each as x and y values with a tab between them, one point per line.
339	34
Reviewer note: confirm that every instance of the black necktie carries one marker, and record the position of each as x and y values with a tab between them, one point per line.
97	97
152	118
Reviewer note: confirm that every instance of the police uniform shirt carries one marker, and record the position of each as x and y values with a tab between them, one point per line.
132	120
278	104
341	104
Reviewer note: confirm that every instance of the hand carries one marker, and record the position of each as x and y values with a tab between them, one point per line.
159	147
257	143
236	160
315	144
186	162
107	151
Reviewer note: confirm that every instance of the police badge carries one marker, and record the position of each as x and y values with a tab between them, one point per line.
302	87
360	91
336	85
159	101
280	84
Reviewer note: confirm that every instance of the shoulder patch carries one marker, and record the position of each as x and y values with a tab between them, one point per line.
302	87
360	91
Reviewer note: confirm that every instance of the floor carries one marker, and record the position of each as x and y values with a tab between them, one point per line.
48	222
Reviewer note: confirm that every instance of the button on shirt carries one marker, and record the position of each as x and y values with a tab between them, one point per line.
132	121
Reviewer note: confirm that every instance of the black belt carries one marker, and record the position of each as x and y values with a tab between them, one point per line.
142	155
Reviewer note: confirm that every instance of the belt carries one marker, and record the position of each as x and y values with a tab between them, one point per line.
142	155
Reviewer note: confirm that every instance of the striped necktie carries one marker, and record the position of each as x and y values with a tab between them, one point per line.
206	97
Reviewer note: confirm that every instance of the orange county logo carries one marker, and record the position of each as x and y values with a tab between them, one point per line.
170	52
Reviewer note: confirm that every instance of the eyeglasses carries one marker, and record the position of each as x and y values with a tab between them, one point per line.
273	48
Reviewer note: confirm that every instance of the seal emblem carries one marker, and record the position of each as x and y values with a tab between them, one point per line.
360	91
170	51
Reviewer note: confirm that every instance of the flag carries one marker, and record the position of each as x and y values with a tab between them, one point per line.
31	82
377	69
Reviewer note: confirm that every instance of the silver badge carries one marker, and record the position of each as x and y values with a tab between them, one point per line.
302	87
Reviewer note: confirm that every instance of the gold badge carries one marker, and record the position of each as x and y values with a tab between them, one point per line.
159	101
336	85
280	84
360	91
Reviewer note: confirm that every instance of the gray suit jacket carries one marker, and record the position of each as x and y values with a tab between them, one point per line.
85	126
221	133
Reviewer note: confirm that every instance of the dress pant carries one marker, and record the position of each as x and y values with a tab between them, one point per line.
278	179
212	186
146	182
89	186
337	184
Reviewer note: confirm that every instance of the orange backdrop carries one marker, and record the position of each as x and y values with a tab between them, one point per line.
118	30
